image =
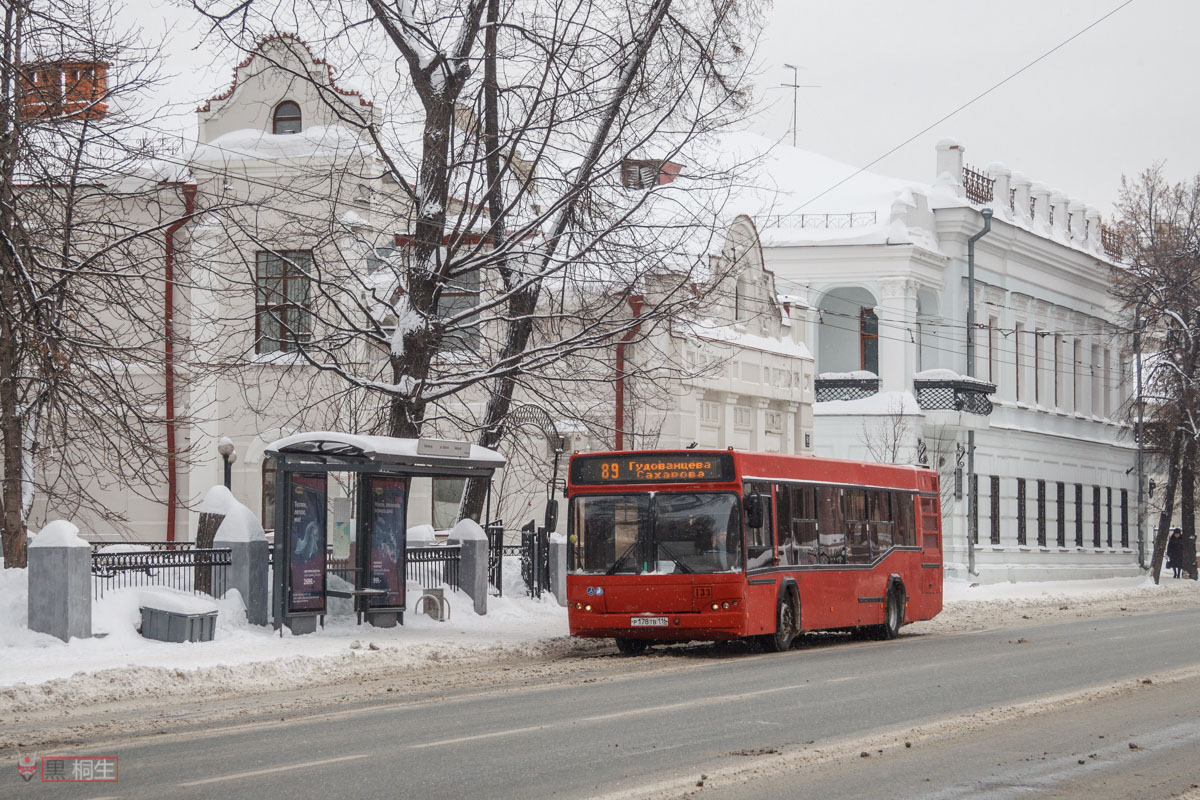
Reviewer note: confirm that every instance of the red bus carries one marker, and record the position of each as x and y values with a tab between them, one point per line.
672	546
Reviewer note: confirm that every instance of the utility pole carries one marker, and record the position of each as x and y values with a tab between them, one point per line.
795	86
1139	436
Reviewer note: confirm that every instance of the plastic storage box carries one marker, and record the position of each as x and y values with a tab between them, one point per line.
175	626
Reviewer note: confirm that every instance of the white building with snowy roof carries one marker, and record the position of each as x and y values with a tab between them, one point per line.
883	264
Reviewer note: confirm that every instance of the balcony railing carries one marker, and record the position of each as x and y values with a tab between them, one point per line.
966	395
845	388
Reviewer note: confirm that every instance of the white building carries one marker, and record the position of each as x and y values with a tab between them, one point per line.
883	264
290	180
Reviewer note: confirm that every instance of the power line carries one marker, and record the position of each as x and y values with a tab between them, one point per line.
974	99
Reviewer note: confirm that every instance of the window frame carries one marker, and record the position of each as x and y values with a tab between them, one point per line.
277	117
294	319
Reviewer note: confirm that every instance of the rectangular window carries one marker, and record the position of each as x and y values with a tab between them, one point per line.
1108	516
902	510
1061	508
805	542
1037	366
1079	515
447	495
282	311
1057	371
1096	516
1107	387
831	545
710	413
742	418
994	492
1018	359
1041	513
868	326
1124	518
930	513
993	323
459	298
973	488
774	421
1075	398
1021	538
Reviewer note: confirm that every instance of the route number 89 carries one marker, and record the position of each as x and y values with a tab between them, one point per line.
609	472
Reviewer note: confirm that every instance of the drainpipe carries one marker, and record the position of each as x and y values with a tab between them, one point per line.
189	208
635	304
972	499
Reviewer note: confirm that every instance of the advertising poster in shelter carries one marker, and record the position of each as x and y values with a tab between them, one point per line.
388	540
307	542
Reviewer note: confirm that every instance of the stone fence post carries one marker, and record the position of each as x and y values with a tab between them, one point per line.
473	566
237	528
60	582
558	567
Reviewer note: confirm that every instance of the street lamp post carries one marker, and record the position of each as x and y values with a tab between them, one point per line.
225	448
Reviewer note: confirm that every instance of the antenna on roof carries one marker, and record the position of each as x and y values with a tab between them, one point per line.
795	86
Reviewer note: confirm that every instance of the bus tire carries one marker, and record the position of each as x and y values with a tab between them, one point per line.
786	625
893	615
631	647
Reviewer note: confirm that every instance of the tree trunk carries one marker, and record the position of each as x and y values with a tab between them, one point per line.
1164	518
1187	508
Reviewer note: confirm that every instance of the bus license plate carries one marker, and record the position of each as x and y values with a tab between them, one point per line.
648	622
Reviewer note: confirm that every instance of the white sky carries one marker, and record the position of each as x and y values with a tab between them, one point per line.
1111	102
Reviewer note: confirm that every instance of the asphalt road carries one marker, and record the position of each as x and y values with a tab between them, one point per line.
972	706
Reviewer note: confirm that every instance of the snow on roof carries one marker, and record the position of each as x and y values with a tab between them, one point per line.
387	448
251	144
710	331
881	404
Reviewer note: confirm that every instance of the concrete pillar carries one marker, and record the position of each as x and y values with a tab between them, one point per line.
950	166
1001	190
897	312
1041	206
759	440
248	574
1059	202
558	567
473	566
1078	215
1094	228
1021	194
729	425
60	582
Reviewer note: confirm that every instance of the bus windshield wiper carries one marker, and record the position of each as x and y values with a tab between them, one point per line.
682	567
621	560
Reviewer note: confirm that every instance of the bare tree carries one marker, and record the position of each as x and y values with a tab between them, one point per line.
887	437
1159	286
528	154
84	216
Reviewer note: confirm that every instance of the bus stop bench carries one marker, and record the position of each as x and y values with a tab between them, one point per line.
355	593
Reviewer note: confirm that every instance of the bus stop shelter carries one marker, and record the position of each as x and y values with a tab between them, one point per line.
385	467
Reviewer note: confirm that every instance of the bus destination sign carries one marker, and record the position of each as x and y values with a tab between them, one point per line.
653	468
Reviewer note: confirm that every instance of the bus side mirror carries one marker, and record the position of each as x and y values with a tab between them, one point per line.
754	510
551	515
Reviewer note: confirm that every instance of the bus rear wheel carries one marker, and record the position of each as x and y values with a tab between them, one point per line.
631	647
893	616
785	627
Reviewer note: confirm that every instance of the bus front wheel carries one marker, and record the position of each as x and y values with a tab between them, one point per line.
631	647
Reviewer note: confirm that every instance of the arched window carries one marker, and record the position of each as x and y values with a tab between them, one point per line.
287	118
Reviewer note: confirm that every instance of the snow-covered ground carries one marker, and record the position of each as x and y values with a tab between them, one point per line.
36	670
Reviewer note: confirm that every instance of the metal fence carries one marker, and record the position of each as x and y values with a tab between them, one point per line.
433	566
533	551
176	566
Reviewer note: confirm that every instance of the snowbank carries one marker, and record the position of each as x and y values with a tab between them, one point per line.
59	533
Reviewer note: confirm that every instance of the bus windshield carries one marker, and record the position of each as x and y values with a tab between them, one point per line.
661	532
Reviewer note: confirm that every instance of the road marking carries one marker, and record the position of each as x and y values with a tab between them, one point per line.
270	770
853	677
695	703
478	736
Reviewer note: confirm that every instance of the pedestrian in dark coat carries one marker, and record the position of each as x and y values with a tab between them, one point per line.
1175	551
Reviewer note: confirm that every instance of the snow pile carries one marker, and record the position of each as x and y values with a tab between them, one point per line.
239	524
880	404
59	533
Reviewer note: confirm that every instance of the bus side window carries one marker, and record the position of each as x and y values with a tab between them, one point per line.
831	535
858	527
785	545
760	547
804	524
930	524
902	515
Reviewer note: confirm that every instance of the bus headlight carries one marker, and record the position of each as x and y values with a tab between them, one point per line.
715	606
725	605
588	607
